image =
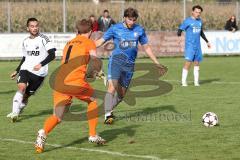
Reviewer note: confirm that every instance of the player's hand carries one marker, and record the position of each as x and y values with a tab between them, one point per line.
109	46
209	45
161	69
13	75
180	39
37	67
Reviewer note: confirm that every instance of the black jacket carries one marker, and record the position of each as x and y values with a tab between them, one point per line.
231	25
104	25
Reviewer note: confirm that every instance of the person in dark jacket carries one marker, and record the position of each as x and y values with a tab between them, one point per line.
231	24
105	21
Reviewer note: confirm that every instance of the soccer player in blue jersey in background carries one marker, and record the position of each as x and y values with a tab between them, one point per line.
193	27
126	36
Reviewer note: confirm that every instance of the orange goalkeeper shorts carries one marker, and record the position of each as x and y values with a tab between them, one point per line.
83	92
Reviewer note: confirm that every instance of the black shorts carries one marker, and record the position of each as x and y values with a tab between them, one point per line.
33	81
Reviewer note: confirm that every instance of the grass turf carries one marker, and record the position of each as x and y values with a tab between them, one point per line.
165	125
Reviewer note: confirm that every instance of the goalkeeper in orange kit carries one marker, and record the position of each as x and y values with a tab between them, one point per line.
70	81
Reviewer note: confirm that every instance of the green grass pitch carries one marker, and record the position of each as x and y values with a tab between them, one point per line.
149	125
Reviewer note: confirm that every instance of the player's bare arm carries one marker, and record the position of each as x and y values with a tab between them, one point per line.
97	63
161	68
99	42
149	52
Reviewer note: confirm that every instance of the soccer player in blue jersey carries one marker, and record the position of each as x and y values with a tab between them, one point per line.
193	27
126	36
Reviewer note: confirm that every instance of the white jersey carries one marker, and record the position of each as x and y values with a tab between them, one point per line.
35	51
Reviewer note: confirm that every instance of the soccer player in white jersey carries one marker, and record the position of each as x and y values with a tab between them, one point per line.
38	51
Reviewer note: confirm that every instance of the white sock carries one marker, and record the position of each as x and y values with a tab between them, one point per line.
17	100
196	74
22	105
184	76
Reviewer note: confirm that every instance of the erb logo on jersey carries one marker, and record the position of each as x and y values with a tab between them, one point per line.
196	29
33	53
128	44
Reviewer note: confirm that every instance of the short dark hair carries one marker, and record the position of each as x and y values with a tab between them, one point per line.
31	20
92	15
198	7
84	26
105	11
131	12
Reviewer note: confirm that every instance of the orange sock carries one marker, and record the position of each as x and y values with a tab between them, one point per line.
92	115
50	123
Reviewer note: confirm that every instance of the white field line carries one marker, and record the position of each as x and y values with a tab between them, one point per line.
213	82
87	149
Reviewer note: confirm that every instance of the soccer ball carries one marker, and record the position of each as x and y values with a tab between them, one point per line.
210	119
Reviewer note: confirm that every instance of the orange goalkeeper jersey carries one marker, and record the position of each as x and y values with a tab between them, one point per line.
76	57
72	72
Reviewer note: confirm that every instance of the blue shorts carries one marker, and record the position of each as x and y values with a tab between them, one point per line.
119	68
193	54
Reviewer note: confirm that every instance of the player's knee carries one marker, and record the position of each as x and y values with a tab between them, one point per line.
111	89
93	103
59	118
196	63
21	88
187	65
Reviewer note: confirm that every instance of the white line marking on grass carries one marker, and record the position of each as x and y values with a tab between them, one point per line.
7	81
216	82
88	149
213	82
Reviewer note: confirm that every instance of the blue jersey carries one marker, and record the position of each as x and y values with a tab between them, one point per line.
193	28
126	39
